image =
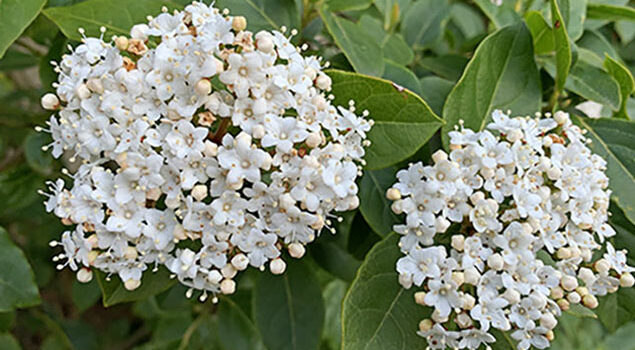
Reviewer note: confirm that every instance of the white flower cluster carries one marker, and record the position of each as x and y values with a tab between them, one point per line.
202	147
523	208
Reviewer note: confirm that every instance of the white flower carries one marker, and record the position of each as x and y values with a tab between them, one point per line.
443	296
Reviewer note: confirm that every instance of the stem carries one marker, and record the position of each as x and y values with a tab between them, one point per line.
553	100
217	137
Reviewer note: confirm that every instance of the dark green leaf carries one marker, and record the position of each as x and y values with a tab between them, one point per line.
118	16
561	40
330	251
403	121
289	309
113	292
16	60
446	66
394	47
434	91
265	14
85	295
17	283
541	32
348	5
622	339
467	19
235	330
377	312
374	206
617	308
502	74
610	12
402	76
36	158
423	23
625	81
333	296
359	47
596	42
502	15
612	139
15	16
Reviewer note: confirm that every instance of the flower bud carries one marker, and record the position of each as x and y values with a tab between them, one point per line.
121	43
405	280
550	335
468	302
472	276
563	253
131	284
296	250
314	139
203	87
590	301
264	43
554	173
602	266
561	117
477	196
214	277
458	242
95	85
463	320
83	92
227	286
228	271
582	291
439	156
84	275
199	192
627	280
586	275
211	149
512	296
548	320
420	298
425	325
436	317
138	31
50	102
557	293
568	283
258	131
277	266
130	253
458	278
323	82
240	261
574	297
239	23
495	262
563	304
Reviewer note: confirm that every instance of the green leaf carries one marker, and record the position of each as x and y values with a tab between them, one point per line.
625	81
377	312
348	5
610	12
434	91
235	330
563	46
401	76
375	207
17	282
15	16
622	339
118	16
289	309
16	60
113	292
394	47
578	310
403	121
359	47
617	308
330	251
36	158
502	74
265	14
333	296
612	139
85	295
541	32
502	15
467	19
423	23
596	42
446	66
8	342
573	13
625	237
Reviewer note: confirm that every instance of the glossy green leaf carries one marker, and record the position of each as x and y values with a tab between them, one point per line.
234	328
289	309
502	74
467	19
118	16
402	76
611	12
446	66
624	79
423	23
541	32
622	339
502	15
617	308
573	13
596	42
348	5
265	14
16	60
15	16
434	91
113	292
403	121
561	40
330	251
333	295
85	295
377	312
393	45
17	283
612	139
375	207
359	47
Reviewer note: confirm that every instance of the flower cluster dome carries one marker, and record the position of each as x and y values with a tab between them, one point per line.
523	207
199	146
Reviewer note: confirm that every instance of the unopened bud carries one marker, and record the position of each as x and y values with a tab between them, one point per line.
561	117
84	275
50	102
277	266
568	283
627	280
203	87
227	286
590	301
495	262
574	297
296	250
199	192
132	284
420	298
323	82
602	266
239	23
121	43
240	261
131	253
439	156
425	325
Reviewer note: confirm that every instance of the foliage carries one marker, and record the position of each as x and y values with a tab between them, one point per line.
418	67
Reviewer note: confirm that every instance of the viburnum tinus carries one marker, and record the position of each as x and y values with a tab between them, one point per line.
523	206
199	146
